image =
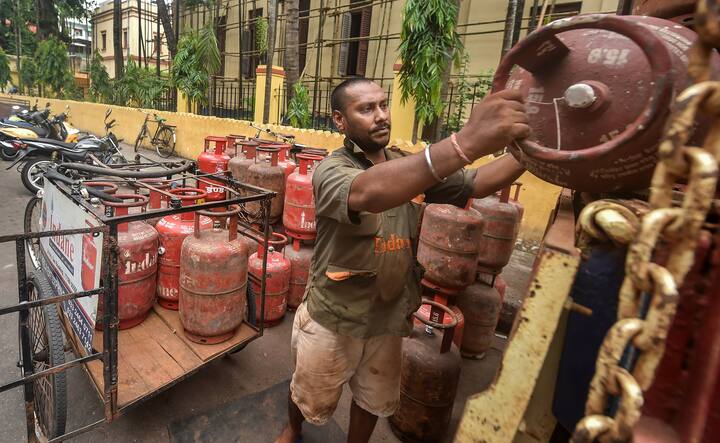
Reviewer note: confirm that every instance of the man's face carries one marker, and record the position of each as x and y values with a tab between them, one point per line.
366	116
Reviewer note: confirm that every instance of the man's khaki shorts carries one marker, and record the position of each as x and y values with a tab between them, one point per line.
325	361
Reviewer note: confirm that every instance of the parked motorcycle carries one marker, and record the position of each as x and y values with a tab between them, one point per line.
36	155
36	124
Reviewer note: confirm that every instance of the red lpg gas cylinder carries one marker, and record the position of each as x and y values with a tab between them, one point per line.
448	247
480	304
284	160
213	279
515	201
232	147
172	230
299	208
277	280
245	157
213	161
137	265
599	89
424	313
501	229
265	173
428	380
300	256
155	188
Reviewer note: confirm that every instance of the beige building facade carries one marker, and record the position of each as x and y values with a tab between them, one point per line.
344	38
139	35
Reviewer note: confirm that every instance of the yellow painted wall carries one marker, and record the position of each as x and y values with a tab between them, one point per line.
538	197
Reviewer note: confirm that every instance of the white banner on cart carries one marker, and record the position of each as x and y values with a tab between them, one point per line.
71	262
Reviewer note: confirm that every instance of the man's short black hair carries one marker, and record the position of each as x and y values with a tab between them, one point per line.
339	95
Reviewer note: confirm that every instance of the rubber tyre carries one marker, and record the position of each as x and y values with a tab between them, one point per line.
165	142
30	225
6	153
139	139
27	169
50	393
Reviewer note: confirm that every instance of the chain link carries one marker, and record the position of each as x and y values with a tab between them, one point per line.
648	297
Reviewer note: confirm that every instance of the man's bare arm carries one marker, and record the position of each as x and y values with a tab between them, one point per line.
493	124
495	175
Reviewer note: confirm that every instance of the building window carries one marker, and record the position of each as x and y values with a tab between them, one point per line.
125	39
103	39
250	62
353	54
303	32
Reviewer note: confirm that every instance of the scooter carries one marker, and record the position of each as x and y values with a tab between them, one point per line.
36	155
36	124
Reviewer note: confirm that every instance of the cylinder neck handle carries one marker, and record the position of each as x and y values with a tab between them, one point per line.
306	160
122	208
220	143
277	241
273	151
439	310
187	197
231	213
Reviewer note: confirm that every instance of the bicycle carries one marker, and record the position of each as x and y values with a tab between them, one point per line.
290	140
164	138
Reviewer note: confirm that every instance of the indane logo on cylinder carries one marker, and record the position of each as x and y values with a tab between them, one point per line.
148	261
306	224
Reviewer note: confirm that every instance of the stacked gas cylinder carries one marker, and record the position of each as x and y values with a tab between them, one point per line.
463	252
137	260
268	165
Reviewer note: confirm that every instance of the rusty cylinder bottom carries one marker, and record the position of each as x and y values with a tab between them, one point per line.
168	304
414	422
209	340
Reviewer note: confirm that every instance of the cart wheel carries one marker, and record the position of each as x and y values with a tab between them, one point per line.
32	224
47	350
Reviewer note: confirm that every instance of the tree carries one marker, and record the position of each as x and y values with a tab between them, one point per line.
167	27
138	86
299	107
272	26
117	36
101	88
428	41
29	73
292	48
4	69
53	64
198	57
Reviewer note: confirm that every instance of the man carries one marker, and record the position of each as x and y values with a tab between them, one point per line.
364	280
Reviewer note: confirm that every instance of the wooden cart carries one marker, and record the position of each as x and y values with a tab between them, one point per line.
125	367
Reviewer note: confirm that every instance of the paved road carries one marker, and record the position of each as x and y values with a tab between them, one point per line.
262	364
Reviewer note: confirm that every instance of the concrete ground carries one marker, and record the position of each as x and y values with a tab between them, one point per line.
262	364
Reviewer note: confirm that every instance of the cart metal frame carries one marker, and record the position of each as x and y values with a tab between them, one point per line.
239	194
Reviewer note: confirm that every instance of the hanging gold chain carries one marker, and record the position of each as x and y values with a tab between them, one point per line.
649	286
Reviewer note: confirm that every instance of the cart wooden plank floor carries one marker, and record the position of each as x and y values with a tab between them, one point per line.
156	353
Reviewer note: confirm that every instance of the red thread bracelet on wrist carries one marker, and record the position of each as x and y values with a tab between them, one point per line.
456	146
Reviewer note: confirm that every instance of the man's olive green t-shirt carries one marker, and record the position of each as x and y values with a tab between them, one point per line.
364	279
